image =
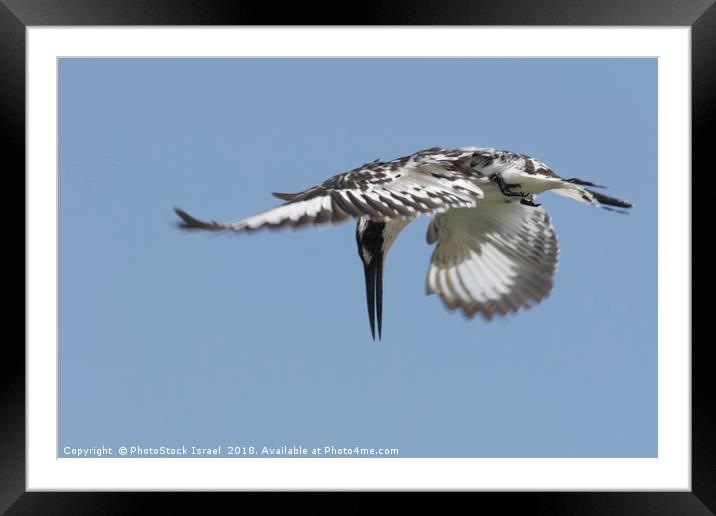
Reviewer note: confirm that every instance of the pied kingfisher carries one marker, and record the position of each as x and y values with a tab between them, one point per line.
496	247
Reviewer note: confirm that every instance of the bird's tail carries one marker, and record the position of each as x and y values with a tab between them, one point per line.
575	189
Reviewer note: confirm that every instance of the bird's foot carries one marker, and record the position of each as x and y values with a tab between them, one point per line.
530	202
505	188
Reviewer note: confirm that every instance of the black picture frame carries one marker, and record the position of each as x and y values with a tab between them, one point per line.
17	15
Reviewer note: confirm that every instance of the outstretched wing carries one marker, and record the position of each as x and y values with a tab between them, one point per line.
492	259
399	188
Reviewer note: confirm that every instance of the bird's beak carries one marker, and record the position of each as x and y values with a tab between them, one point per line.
374	291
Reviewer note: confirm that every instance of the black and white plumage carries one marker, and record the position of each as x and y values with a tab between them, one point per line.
496	249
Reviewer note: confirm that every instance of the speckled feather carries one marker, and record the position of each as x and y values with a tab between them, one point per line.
496	249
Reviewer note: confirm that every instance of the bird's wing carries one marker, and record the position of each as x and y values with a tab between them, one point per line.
493	259
381	191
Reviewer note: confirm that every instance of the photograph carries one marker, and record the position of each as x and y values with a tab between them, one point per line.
498	232
444	250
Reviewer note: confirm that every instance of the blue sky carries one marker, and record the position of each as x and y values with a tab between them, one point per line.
169	338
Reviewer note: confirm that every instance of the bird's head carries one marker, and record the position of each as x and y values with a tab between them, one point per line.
370	240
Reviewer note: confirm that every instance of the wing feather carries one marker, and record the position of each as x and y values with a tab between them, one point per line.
493	259
381	191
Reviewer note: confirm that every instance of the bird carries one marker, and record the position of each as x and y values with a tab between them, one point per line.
496	249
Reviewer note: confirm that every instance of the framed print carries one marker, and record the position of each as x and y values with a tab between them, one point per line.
158	359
